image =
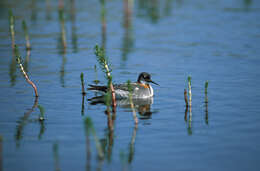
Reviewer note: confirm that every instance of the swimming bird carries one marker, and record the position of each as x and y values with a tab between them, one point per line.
141	88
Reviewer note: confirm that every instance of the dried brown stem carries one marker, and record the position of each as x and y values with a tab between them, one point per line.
28	80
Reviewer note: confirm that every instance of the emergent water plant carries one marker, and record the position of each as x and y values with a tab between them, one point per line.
105	66
19	61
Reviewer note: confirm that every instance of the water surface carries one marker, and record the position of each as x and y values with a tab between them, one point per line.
214	40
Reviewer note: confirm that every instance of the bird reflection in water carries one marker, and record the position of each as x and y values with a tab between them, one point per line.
143	106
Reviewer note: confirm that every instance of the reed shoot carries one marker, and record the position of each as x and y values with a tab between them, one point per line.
11	28
103	62
25	29
130	89
190	97
82	84
90	128
19	61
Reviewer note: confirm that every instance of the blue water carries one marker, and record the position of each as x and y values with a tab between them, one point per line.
216	41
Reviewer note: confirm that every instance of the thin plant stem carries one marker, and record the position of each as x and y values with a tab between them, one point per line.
18	59
83	105
190	97
108	113
103	61
82	84
186	98
206	103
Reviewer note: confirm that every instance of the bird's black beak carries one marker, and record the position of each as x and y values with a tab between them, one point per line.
153	82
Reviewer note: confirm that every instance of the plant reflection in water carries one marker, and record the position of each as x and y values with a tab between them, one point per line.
24	120
143	106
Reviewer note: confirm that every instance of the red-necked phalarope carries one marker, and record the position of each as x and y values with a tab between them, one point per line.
141	88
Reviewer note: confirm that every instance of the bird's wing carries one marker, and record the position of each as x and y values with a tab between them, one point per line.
98	88
124	86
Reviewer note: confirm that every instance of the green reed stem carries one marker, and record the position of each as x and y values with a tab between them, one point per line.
82	83
103	62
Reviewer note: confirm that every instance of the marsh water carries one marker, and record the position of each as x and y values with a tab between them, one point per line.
214	40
